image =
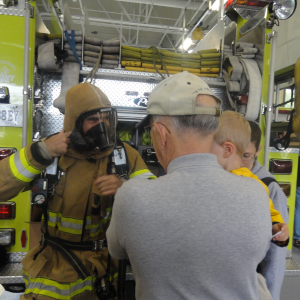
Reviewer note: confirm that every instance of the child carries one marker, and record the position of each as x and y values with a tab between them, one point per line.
230	141
273	265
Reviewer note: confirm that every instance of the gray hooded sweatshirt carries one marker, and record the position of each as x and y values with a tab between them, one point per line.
273	265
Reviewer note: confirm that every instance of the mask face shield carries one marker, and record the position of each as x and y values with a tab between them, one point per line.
97	129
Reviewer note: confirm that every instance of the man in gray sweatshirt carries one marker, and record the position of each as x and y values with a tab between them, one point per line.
198	232
273	265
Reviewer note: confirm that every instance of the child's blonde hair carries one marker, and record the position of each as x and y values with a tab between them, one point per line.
234	128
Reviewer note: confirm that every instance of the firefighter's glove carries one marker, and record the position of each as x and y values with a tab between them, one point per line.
57	144
107	185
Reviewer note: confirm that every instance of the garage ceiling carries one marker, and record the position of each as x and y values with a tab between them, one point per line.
146	23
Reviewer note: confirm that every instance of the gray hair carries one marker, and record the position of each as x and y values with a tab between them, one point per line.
202	124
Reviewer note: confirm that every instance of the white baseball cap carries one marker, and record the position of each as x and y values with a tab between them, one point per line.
176	96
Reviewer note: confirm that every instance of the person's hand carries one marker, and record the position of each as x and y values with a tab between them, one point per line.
282	237
57	145
107	185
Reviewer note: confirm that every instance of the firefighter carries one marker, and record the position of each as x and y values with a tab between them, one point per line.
72	253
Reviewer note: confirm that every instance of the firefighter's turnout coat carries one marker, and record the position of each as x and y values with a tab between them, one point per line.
72	213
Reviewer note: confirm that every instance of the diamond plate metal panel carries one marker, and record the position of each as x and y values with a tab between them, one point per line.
12	12
15	257
289	150
52	121
115	88
222	94
292	268
11	273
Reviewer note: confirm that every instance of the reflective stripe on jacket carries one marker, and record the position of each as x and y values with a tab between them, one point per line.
56	290
73	226
142	174
17	171
21	167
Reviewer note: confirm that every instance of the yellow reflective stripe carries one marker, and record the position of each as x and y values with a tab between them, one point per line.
104	221
68	225
21	168
94	234
15	171
108	216
115	275
26	164
142	174
56	290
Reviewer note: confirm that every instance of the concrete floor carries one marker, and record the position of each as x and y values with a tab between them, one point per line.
291	284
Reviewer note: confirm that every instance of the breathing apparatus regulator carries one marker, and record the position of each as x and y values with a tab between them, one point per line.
101	132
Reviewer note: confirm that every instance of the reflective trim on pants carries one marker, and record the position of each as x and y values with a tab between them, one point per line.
56	290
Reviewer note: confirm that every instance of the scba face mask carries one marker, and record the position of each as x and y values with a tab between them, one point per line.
95	130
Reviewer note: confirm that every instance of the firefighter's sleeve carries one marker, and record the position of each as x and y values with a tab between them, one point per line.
137	167
18	170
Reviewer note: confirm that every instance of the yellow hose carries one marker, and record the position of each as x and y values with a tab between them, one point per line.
210	70
150	70
151	66
296	117
131	63
191	70
128	48
135	69
172	68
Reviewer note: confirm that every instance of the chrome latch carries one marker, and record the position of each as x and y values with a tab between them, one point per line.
270	36
99	245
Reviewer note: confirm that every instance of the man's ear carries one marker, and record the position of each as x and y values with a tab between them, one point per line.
162	134
228	149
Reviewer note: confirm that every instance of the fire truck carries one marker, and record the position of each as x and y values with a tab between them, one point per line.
27	112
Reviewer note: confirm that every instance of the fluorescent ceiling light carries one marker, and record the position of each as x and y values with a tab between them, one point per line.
190	51
216	5
187	43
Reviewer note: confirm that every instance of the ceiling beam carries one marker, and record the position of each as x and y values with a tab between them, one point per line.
196	12
166	3
213	19
125	11
149	13
178	20
134	25
125	25
139	18
109	17
206	13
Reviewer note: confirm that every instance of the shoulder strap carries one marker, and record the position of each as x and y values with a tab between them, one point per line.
268	180
123	169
